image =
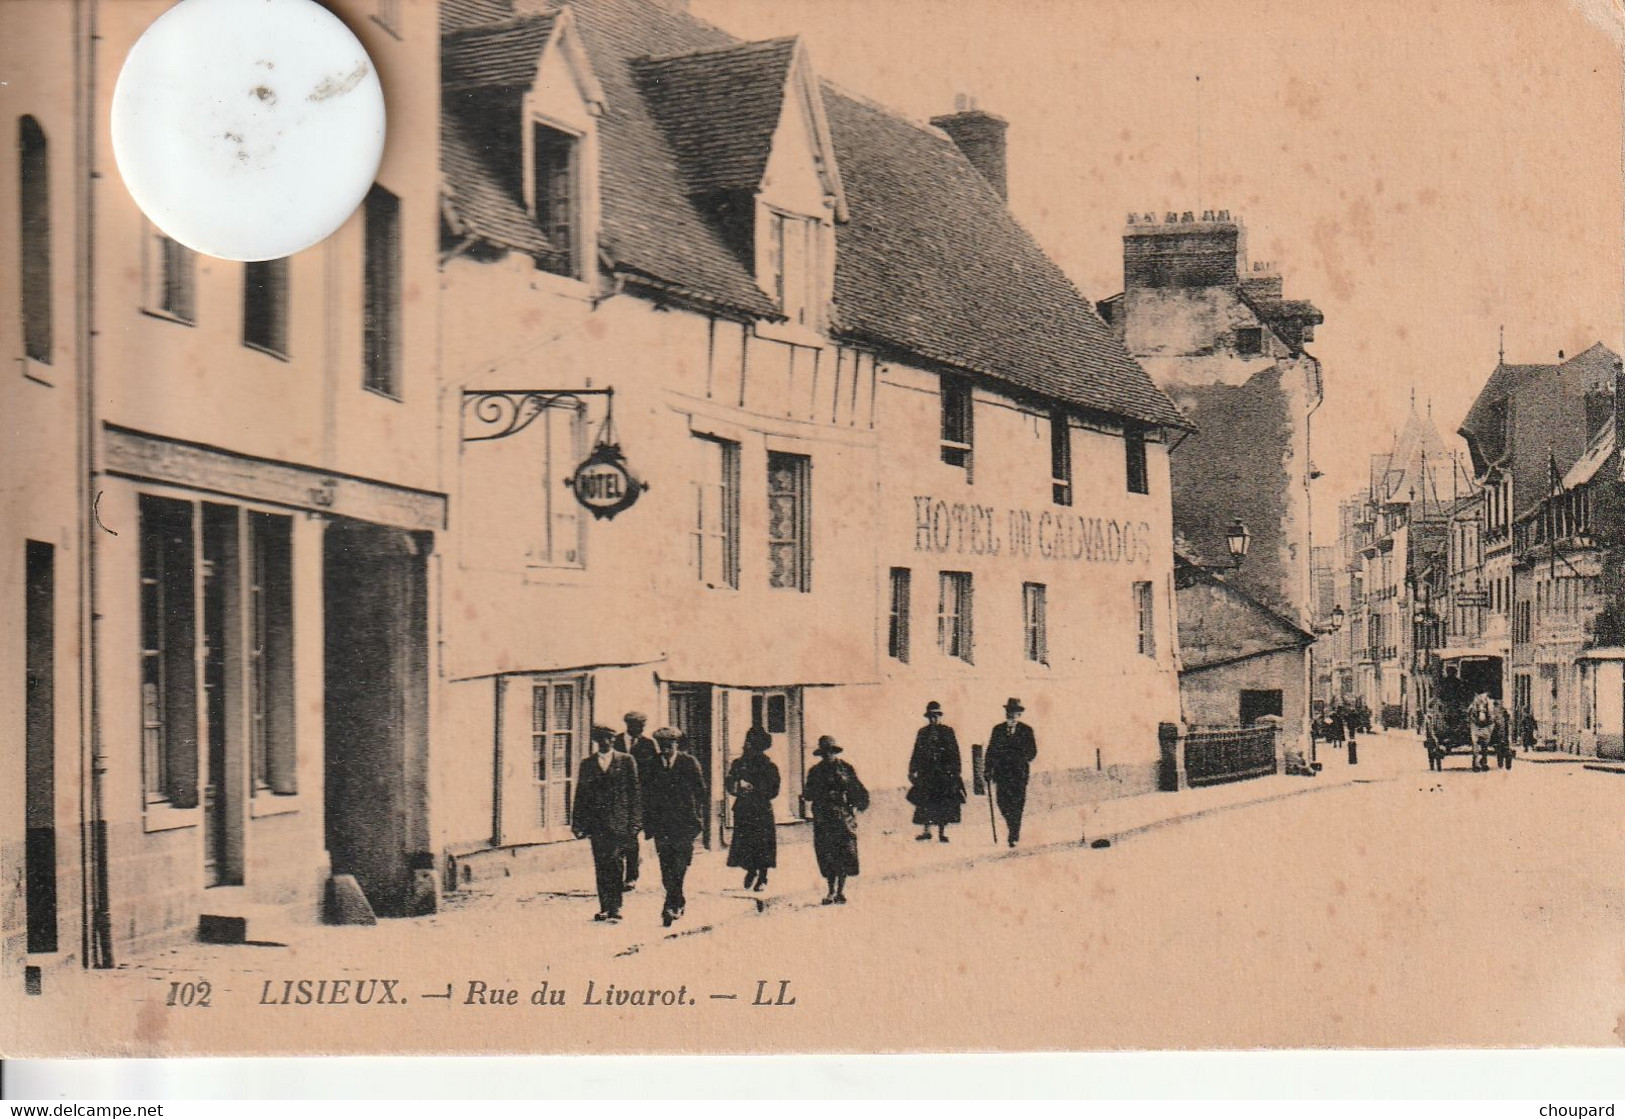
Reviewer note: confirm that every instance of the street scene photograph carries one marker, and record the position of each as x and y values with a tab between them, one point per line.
775	526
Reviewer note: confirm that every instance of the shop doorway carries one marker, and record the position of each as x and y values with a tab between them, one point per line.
778	712
689	710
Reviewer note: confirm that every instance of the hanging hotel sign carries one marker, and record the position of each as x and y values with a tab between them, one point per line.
604	484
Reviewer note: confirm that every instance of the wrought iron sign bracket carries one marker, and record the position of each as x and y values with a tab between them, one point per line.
499	413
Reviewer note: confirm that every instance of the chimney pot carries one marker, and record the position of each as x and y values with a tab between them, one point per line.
979	135
1559	355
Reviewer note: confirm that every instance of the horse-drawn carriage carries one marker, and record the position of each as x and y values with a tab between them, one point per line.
1458	676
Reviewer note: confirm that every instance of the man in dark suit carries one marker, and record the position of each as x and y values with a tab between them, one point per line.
632	741
1011	749
674	813
608	810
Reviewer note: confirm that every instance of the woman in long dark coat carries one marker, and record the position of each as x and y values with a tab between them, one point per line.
753	781
836	796
936	785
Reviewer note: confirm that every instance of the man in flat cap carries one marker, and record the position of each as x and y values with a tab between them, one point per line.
641	748
673	814
1011	749
608	810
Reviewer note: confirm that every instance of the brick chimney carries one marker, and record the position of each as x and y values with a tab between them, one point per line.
1182	250
979	134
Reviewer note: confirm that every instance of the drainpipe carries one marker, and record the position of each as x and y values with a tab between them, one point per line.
96	916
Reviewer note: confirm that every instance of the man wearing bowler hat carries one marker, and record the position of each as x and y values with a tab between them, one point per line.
673	814
1011	749
936	785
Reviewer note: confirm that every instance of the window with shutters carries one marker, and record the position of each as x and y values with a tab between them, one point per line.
34	238
170	279
954	634
1145	618
559	437
557	725
897	635
1139	480
789	521
1060	458
796	262
958	429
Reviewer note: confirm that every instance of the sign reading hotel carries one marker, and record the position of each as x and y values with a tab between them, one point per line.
962	529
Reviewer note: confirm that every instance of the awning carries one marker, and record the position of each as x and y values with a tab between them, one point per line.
1609	653
1469	652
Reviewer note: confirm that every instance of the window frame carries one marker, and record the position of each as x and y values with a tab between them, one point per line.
900	614
266	291
557	466
1136	461
958	437
956	633
1035	622
563	230
1145	618
798	541
727	531
1060	457
1250	341
169	648
169	278
381	311
35	272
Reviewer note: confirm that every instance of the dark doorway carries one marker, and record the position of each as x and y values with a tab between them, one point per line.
222	694
1256	704
690	711
375	600
39	788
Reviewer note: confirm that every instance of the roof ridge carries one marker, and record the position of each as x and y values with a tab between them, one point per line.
742	44
867	102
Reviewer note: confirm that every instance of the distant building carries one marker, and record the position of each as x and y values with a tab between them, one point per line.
1215	332
1542	445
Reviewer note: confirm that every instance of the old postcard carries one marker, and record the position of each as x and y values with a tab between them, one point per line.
785	526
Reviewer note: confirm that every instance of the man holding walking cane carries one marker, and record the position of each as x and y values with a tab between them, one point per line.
1011	748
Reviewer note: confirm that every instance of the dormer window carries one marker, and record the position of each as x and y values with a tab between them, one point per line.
797	268
554	192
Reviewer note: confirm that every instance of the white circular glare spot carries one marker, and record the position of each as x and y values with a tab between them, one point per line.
248	129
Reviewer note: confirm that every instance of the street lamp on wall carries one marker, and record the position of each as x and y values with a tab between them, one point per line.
1238	539
1337	618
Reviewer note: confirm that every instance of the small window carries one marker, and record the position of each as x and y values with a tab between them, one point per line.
1250	341
1146	620
1060	458
714	537
34	240
897	635
555	192
1035	621
381	281
557	731
797	263
559	441
789	516
265	306
171	279
954	633
958	432
1139	480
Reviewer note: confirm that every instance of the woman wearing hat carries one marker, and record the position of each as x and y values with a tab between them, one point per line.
753	782
836	796
936	786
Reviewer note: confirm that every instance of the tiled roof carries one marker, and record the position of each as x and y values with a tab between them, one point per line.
719	109
483	208
456	14
1502	383
932	262
930	265
500	55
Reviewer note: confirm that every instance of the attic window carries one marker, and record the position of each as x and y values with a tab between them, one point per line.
797	263
556	195
1250	341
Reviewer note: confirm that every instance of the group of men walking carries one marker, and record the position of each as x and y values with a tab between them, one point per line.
631	784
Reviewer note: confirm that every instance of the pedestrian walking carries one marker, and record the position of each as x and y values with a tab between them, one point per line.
608	812
936	784
1481	724
673	815
1432	728
633	742
1526	728
753	782
1502	736
1011	748
836	796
